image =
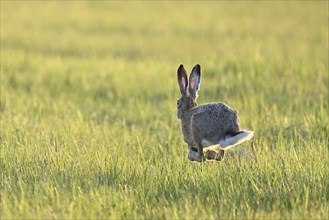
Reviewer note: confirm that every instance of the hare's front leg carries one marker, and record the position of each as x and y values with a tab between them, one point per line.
194	154
198	143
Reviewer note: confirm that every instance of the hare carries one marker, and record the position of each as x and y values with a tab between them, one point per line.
206	125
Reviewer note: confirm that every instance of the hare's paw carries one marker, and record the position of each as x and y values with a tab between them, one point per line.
195	156
220	155
210	154
192	155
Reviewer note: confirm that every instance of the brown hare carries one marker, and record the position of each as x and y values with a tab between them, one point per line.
206	125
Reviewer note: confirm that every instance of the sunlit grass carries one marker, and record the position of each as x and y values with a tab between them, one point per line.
88	104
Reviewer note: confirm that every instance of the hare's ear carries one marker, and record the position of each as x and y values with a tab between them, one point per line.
195	80
182	79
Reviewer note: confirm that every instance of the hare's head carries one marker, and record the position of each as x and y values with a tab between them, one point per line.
188	89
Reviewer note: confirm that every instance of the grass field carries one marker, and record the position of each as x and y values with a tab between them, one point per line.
88	109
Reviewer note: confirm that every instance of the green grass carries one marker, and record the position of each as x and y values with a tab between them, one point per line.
88	104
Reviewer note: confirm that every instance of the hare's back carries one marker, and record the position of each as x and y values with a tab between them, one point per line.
215	120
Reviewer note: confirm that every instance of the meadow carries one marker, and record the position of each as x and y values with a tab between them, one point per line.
88	109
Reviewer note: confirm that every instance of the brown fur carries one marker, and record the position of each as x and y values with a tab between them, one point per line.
204	125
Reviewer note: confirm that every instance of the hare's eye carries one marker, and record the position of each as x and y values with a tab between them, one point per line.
178	102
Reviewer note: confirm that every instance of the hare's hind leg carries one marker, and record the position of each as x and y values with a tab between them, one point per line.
210	154
220	155
214	155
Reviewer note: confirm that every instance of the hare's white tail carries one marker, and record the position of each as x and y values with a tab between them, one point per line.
229	141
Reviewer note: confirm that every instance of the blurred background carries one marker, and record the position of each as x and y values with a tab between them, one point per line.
112	52
87	84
